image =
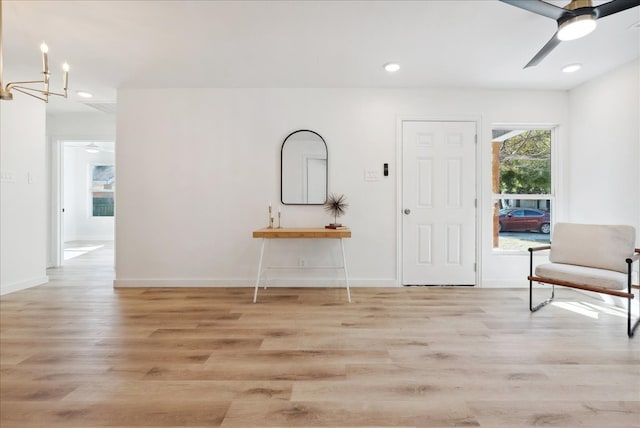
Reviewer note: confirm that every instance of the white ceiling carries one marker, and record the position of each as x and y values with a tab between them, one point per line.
114	44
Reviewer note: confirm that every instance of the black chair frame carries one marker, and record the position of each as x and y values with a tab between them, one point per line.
628	294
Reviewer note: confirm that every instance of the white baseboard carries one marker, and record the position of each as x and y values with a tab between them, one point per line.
22	285
501	283
141	283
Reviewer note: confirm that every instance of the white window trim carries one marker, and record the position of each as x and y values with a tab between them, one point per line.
555	177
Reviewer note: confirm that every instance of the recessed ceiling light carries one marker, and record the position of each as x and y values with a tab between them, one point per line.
391	67
571	68
84	94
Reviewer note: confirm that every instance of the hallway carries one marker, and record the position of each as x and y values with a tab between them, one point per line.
87	264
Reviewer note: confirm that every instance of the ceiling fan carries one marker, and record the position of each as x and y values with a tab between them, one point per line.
575	20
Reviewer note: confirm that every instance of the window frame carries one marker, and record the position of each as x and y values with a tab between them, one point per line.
93	190
552	197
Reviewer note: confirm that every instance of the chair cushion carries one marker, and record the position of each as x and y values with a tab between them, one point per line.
583	275
593	245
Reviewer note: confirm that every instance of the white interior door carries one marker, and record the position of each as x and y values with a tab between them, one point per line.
439	203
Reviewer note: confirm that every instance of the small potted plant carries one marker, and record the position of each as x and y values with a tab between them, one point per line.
336	206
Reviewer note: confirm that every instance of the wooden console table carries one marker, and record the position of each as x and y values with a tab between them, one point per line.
307	233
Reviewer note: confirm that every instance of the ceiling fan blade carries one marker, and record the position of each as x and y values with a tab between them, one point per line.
546	50
540	7
614	6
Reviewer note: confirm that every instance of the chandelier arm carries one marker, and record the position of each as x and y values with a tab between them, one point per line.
26	88
17	88
24	82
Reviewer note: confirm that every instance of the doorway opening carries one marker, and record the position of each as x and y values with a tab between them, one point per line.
83	203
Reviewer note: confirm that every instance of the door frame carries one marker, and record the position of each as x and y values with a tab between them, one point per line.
305	177
55	258
56	197
477	119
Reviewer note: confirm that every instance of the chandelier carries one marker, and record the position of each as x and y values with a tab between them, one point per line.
42	92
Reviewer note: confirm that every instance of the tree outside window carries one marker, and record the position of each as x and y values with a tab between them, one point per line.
522	187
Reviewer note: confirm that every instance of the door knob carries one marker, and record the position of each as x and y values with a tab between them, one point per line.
407	211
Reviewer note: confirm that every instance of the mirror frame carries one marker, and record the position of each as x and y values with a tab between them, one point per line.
326	181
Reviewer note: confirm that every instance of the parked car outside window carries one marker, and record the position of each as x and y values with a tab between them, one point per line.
524	219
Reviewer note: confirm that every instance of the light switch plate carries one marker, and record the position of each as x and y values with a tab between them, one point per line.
7	177
371	175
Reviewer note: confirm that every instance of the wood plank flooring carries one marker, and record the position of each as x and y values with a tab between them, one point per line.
77	353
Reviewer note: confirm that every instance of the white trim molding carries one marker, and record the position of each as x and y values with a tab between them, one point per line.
220	283
22	285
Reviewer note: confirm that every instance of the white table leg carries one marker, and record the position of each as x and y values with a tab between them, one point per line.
255	293
266	270
346	274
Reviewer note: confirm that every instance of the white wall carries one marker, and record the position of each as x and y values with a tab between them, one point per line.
196	173
604	167
23	215
79	224
86	126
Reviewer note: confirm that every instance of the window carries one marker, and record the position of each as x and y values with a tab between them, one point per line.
522	187
103	179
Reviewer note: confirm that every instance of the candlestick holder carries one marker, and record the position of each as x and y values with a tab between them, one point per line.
270	218
279	218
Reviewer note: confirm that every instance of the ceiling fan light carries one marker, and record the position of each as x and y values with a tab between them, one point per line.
576	27
92	148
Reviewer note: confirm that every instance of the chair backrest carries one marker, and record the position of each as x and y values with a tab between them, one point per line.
593	245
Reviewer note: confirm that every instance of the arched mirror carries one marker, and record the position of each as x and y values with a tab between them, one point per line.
303	173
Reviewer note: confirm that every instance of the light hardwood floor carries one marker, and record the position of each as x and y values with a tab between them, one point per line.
77	353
